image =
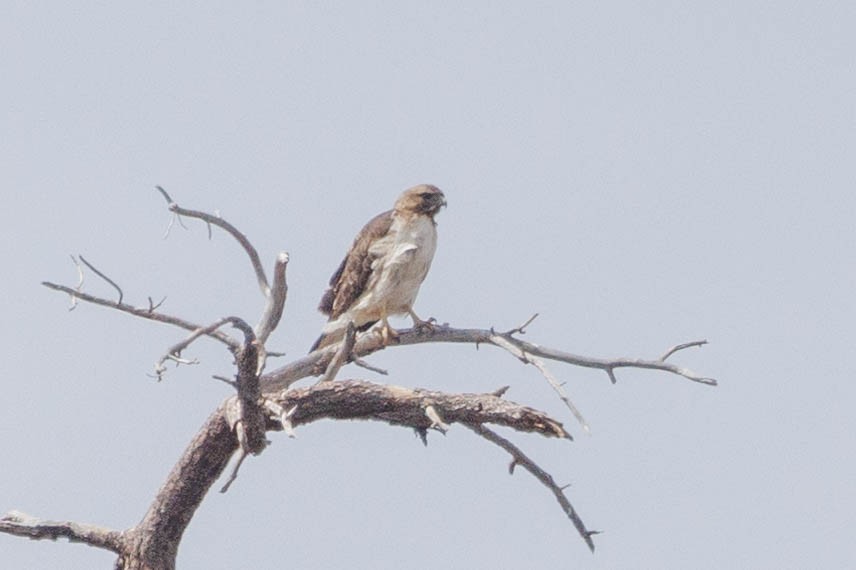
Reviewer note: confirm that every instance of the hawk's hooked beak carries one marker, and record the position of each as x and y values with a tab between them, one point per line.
441	201
434	202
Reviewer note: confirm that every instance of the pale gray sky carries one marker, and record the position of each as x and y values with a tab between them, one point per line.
641	174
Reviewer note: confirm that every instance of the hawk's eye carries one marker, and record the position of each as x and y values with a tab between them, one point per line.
426	195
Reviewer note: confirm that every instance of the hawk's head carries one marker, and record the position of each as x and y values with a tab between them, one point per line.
423	199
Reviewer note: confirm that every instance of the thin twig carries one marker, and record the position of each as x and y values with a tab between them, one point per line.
520	458
180	360
522	328
502	341
79	287
104	277
242	454
678	347
363	364
611	374
342	354
155	306
228	381
287	425
557	386
168	229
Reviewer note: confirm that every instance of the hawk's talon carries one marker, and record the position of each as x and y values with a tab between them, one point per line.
428	326
422	326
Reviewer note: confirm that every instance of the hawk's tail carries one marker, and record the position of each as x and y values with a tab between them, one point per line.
335	334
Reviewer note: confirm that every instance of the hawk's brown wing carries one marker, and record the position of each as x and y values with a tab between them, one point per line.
349	281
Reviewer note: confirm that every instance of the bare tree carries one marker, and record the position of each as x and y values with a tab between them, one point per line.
268	401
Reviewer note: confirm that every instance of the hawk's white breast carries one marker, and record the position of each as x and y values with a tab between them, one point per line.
404	258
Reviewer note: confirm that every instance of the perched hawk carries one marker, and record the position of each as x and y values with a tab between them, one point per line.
381	274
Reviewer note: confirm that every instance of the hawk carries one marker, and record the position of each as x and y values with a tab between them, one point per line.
381	274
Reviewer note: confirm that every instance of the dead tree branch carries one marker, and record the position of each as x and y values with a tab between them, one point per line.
251	416
358	399
144	313
20	524
342	355
520	458
174	352
367	343
275	296
682	346
80	280
275	300
104	277
502	342
232	230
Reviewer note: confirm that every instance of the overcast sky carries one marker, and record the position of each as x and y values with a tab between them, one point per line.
640	174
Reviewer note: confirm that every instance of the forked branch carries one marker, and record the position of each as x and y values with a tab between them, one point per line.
275	296
144	313
232	230
367	343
